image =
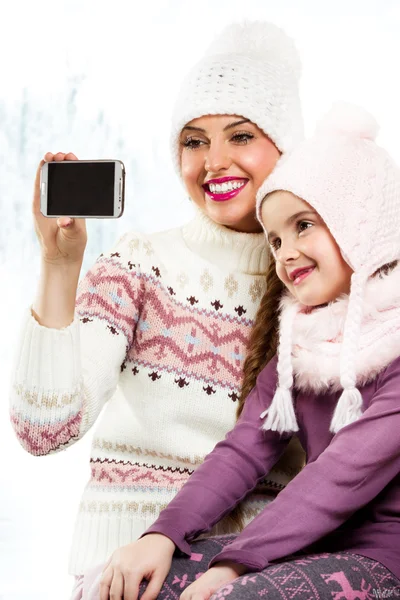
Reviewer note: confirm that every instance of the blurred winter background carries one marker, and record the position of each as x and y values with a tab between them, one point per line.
99	78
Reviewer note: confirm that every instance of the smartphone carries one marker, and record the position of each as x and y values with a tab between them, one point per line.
83	188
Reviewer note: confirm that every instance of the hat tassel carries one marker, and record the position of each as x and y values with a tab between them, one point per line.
348	409
349	406
280	415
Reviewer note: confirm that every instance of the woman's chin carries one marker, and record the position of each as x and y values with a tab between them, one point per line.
230	217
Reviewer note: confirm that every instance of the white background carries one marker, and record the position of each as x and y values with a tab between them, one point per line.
99	79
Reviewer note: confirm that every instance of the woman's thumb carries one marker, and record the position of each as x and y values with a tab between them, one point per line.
64	222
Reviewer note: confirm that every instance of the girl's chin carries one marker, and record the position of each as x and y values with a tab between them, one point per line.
313	301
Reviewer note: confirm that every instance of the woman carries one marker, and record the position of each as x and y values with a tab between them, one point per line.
157	330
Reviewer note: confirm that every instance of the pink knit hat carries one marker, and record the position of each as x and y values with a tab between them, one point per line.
354	185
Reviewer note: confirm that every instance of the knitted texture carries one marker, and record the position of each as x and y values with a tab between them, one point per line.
160	343
354	185
252	70
351	182
317	337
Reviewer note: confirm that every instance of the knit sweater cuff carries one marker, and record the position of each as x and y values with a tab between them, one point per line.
48	359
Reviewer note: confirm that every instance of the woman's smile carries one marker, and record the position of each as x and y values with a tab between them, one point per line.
224	188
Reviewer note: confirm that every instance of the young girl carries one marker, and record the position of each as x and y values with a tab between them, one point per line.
157	332
331	213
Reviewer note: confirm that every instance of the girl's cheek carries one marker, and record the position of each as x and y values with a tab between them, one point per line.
280	271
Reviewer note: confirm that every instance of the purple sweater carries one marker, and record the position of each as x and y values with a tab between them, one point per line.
347	497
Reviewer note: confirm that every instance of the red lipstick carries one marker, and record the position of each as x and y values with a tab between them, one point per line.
223	196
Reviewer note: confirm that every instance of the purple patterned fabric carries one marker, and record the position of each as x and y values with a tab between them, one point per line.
346	499
341	576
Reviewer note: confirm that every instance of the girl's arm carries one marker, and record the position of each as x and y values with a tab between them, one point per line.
228	473
360	461
63	377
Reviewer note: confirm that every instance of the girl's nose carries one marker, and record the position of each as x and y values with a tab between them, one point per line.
287	253
217	158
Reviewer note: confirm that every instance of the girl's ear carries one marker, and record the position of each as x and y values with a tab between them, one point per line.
263	340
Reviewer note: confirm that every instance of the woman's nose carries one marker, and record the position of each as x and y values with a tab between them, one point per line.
217	158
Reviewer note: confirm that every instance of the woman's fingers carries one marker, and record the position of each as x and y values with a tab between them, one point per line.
59	156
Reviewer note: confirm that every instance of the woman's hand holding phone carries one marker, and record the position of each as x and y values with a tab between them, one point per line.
63	243
62	240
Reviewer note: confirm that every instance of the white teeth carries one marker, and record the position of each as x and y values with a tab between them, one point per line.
227	186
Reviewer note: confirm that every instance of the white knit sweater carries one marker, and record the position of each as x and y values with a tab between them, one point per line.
159	337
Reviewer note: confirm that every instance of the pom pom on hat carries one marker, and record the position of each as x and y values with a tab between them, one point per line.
251	69
259	41
348	119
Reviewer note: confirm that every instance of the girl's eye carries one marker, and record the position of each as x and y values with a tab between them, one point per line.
275	244
242	138
192	143
303	225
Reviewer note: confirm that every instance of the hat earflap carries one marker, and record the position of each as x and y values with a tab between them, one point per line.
349	406
280	415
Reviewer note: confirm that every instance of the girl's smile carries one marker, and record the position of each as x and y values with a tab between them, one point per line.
298	275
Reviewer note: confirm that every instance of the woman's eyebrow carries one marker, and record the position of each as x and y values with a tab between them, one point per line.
191	128
229	126
291	219
236	123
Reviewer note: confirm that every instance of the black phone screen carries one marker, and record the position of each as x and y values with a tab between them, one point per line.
81	188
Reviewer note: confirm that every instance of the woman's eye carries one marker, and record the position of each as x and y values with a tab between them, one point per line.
303	225
242	138
192	143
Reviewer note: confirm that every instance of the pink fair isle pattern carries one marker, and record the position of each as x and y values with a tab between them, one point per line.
141	477
41	439
112	293
201	345
206	345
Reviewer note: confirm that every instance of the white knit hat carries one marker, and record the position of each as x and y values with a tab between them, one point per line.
354	185
252	69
